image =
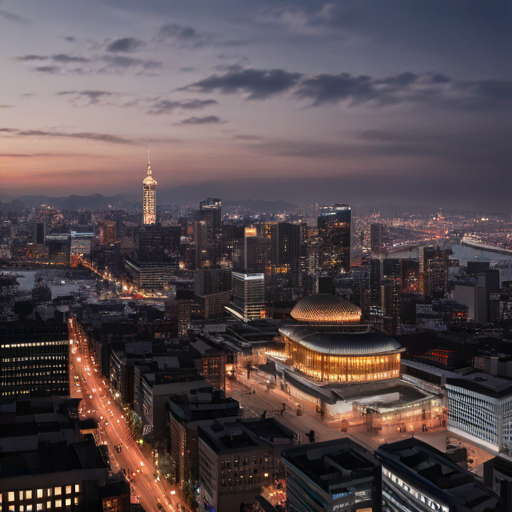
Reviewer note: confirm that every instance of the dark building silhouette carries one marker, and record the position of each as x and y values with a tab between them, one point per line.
376	233
210	211
334	231
151	244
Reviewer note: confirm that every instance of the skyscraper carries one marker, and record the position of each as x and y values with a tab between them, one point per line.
210	211
149	197
334	232
376	239
248	296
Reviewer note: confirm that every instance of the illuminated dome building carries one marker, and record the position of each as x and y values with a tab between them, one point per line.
331	345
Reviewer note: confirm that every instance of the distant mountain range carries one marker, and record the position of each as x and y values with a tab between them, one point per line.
98	202
74	202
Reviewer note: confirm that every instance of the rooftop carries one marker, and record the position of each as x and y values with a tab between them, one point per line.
483	383
235	436
431	472
331	465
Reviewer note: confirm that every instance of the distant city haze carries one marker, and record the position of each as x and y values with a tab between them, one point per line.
366	103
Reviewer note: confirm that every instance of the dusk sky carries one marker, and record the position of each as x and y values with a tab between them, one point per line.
363	102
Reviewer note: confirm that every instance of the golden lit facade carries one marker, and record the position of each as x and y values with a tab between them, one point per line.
328	368
149	197
334	347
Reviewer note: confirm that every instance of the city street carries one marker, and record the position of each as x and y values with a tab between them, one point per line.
328	428
114	431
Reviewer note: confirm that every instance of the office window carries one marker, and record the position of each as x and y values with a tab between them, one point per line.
39	493
10	496
68	489
58	503
29	508
49	491
77	488
68	502
12	508
28	495
22	508
39	506
58	491
76	500
21	495
48	504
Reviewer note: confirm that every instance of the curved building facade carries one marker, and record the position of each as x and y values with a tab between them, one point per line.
330	345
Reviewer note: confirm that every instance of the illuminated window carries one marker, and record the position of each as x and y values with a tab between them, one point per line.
76	500
10	496
48	504
77	488
39	493
58	503
29	508
12	508
58	491
21	495
39	506
68	489
49	490
68	502
22	508
28	495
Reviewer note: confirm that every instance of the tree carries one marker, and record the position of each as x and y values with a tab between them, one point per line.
23	308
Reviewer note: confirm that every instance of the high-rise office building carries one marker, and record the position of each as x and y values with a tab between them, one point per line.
149	197
40	230
257	249
286	240
108	230
212	280
151	244
376	238
248	296
334	232
210	211
434	271
34	359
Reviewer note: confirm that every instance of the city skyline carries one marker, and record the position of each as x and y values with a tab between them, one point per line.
333	102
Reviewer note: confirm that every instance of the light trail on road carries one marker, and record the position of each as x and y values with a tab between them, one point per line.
115	432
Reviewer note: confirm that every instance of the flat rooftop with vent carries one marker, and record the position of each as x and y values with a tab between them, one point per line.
414	474
334	475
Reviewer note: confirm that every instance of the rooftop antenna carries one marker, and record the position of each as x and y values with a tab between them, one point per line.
149	164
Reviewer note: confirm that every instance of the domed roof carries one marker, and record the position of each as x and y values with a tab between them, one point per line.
327	309
359	343
149	180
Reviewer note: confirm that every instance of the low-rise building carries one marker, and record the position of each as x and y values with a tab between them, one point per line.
480	409
236	460
45	463
187	412
331	476
156	390
416	477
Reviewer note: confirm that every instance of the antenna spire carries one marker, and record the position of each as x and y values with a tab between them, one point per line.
149	164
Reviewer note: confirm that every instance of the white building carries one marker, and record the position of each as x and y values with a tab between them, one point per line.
480	409
248	296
